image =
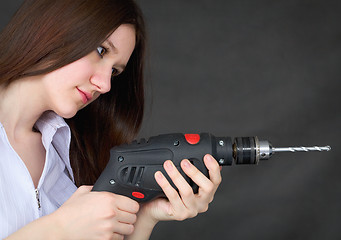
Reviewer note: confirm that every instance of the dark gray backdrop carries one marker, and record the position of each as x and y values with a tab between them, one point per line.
245	68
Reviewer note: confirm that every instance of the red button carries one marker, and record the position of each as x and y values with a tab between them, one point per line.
192	138
138	194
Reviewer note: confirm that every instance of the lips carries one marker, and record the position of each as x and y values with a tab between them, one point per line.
85	96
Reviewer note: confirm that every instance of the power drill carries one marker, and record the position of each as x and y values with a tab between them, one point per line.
131	168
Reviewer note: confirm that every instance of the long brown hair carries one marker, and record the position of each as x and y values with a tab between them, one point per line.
46	35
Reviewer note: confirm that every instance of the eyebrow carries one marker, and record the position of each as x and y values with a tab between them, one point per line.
112	46
114	49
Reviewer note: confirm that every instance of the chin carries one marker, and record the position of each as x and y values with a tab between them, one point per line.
66	113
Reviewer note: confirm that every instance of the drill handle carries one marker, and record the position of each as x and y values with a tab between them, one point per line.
131	168
138	182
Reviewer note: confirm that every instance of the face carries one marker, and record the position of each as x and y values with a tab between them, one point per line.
76	85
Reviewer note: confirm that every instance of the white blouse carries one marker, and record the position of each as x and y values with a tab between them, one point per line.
22	203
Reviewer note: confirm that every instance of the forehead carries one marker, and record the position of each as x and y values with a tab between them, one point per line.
123	38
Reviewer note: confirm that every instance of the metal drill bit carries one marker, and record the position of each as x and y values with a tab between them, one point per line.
301	149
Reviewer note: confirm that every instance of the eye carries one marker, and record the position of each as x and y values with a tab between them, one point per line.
114	72
101	51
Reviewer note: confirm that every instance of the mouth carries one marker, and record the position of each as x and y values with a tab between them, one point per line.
85	96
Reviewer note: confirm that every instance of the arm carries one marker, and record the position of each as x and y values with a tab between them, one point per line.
182	205
40	229
143	227
86	215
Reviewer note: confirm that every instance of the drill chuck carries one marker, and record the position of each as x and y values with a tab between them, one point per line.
249	150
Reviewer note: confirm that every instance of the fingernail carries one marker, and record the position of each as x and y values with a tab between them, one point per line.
186	164
210	158
159	175
169	165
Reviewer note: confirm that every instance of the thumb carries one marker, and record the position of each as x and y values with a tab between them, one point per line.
83	189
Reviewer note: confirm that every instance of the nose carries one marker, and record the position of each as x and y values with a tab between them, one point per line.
102	81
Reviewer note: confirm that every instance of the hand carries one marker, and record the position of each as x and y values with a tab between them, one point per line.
96	215
185	204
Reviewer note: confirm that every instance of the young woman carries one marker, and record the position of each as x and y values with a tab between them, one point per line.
59	58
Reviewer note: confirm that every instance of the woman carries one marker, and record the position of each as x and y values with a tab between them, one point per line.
59	58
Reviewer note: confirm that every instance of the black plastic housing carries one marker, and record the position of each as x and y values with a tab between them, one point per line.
131	168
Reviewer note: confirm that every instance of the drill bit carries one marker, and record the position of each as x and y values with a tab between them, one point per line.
301	149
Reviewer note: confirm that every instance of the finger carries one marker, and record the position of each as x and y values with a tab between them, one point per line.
184	188
85	188
82	190
198	177
127	204
169	191
123	228
126	217
213	169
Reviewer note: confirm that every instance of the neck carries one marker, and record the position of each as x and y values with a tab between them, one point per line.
20	107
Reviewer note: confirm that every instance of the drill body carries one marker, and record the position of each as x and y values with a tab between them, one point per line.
131	168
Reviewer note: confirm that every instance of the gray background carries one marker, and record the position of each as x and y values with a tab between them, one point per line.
250	68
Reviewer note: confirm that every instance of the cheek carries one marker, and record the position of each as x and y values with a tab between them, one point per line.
96	95
76	71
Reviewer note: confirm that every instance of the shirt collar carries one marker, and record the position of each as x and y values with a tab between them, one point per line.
55	131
